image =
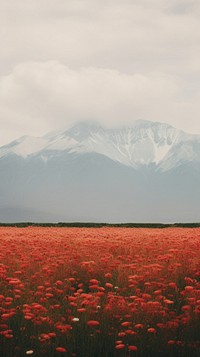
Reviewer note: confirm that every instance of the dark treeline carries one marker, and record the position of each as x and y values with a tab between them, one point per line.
99	225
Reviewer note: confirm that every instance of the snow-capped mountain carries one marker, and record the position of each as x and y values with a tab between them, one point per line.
143	143
148	171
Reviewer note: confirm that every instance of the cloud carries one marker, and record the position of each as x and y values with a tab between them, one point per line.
42	96
180	7
129	36
103	59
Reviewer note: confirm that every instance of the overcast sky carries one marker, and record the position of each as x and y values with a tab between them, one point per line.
109	60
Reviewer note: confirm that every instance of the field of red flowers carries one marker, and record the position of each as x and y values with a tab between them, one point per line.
99	292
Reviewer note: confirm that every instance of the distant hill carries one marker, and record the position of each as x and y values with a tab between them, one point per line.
147	172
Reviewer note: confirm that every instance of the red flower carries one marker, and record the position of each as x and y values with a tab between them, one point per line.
151	330
120	346
132	348
93	323
61	349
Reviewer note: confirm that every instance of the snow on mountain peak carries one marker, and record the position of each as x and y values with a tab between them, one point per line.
142	143
24	146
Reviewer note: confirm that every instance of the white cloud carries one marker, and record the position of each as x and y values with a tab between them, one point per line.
129	36
103	59
42	96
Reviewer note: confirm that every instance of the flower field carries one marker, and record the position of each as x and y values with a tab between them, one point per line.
99	292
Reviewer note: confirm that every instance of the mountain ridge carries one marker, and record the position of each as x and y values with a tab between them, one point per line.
143	143
89	173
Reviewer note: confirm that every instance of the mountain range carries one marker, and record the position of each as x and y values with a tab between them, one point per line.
146	172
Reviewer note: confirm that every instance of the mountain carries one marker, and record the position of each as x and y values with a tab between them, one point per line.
147	172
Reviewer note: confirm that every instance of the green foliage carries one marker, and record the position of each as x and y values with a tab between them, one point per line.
99	225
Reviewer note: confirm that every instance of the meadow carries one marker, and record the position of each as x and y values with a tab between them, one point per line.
99	292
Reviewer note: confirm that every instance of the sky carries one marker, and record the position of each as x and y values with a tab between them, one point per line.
112	61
